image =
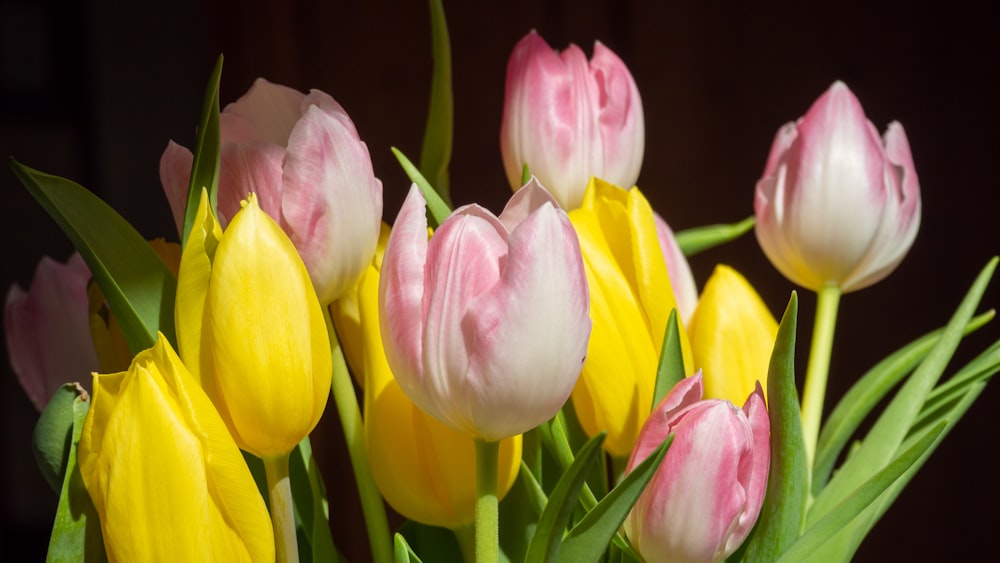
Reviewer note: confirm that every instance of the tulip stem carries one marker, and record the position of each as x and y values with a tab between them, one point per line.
487	504
372	506
828	299
279	489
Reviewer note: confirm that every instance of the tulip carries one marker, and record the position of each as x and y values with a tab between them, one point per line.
707	493
837	206
424	469
302	156
165	476
249	323
732	335
630	303
681	278
47	329
569	120
485	326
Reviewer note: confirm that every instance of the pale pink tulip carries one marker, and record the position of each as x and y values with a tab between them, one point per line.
570	120
48	329
485	325
302	156
707	493
681	278
837	205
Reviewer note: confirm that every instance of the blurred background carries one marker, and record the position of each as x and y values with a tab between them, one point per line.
93	89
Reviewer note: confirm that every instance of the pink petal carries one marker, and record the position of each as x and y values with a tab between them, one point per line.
271	111
245	168
623	129
175	176
681	278
525	200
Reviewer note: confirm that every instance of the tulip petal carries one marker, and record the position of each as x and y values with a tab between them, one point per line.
175	176
267	112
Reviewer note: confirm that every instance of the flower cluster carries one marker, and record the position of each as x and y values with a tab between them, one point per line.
514	356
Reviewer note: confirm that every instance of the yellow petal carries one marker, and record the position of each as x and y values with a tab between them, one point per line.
167	480
732	334
267	336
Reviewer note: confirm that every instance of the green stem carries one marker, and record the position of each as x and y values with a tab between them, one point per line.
487	505
279	490
828	299
466	538
372	505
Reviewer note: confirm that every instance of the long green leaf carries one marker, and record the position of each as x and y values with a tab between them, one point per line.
136	283
544	546
520	510
205	167
311	507
76	533
671	369
693	241
854	504
436	152
402	553
437	208
881	443
784	505
866	393
589	538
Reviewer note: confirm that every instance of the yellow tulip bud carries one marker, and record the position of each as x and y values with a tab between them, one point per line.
423	468
630	303
166	478
732	335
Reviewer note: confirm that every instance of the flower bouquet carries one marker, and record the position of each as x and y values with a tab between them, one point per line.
546	383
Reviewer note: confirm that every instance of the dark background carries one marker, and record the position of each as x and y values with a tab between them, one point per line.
92	90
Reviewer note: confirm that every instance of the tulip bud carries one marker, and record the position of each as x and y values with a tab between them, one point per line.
707	493
249	322
424	469
732	335
630	302
47	329
166	478
569	120
485	326
302	156
837	205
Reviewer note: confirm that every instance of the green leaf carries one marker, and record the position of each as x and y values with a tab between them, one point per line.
520	510
883	440
205	167
525	174
136	283
402	553
431	542
52	439
854	504
76	533
866	393
693	241
589	538
312	514
544	546
437	208
436	153
785	500
671	369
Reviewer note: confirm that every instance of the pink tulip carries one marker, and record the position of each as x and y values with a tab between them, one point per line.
485	325
681	278
570	120
707	493
302	156
48	329
837	205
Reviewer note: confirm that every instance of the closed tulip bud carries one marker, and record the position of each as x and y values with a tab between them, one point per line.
569	119
837	205
732	335
302	156
249	321
630	303
166	478
424	469
707	493
47	329
485	325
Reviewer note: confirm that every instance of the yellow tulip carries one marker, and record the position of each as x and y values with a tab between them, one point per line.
732	334
423	468
248	317
630	303
166	478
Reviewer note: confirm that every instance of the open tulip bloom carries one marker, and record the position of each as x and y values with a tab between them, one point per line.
547	383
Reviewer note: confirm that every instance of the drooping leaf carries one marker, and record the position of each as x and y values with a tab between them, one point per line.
52	438
437	209
205	166
693	241
137	284
436	152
